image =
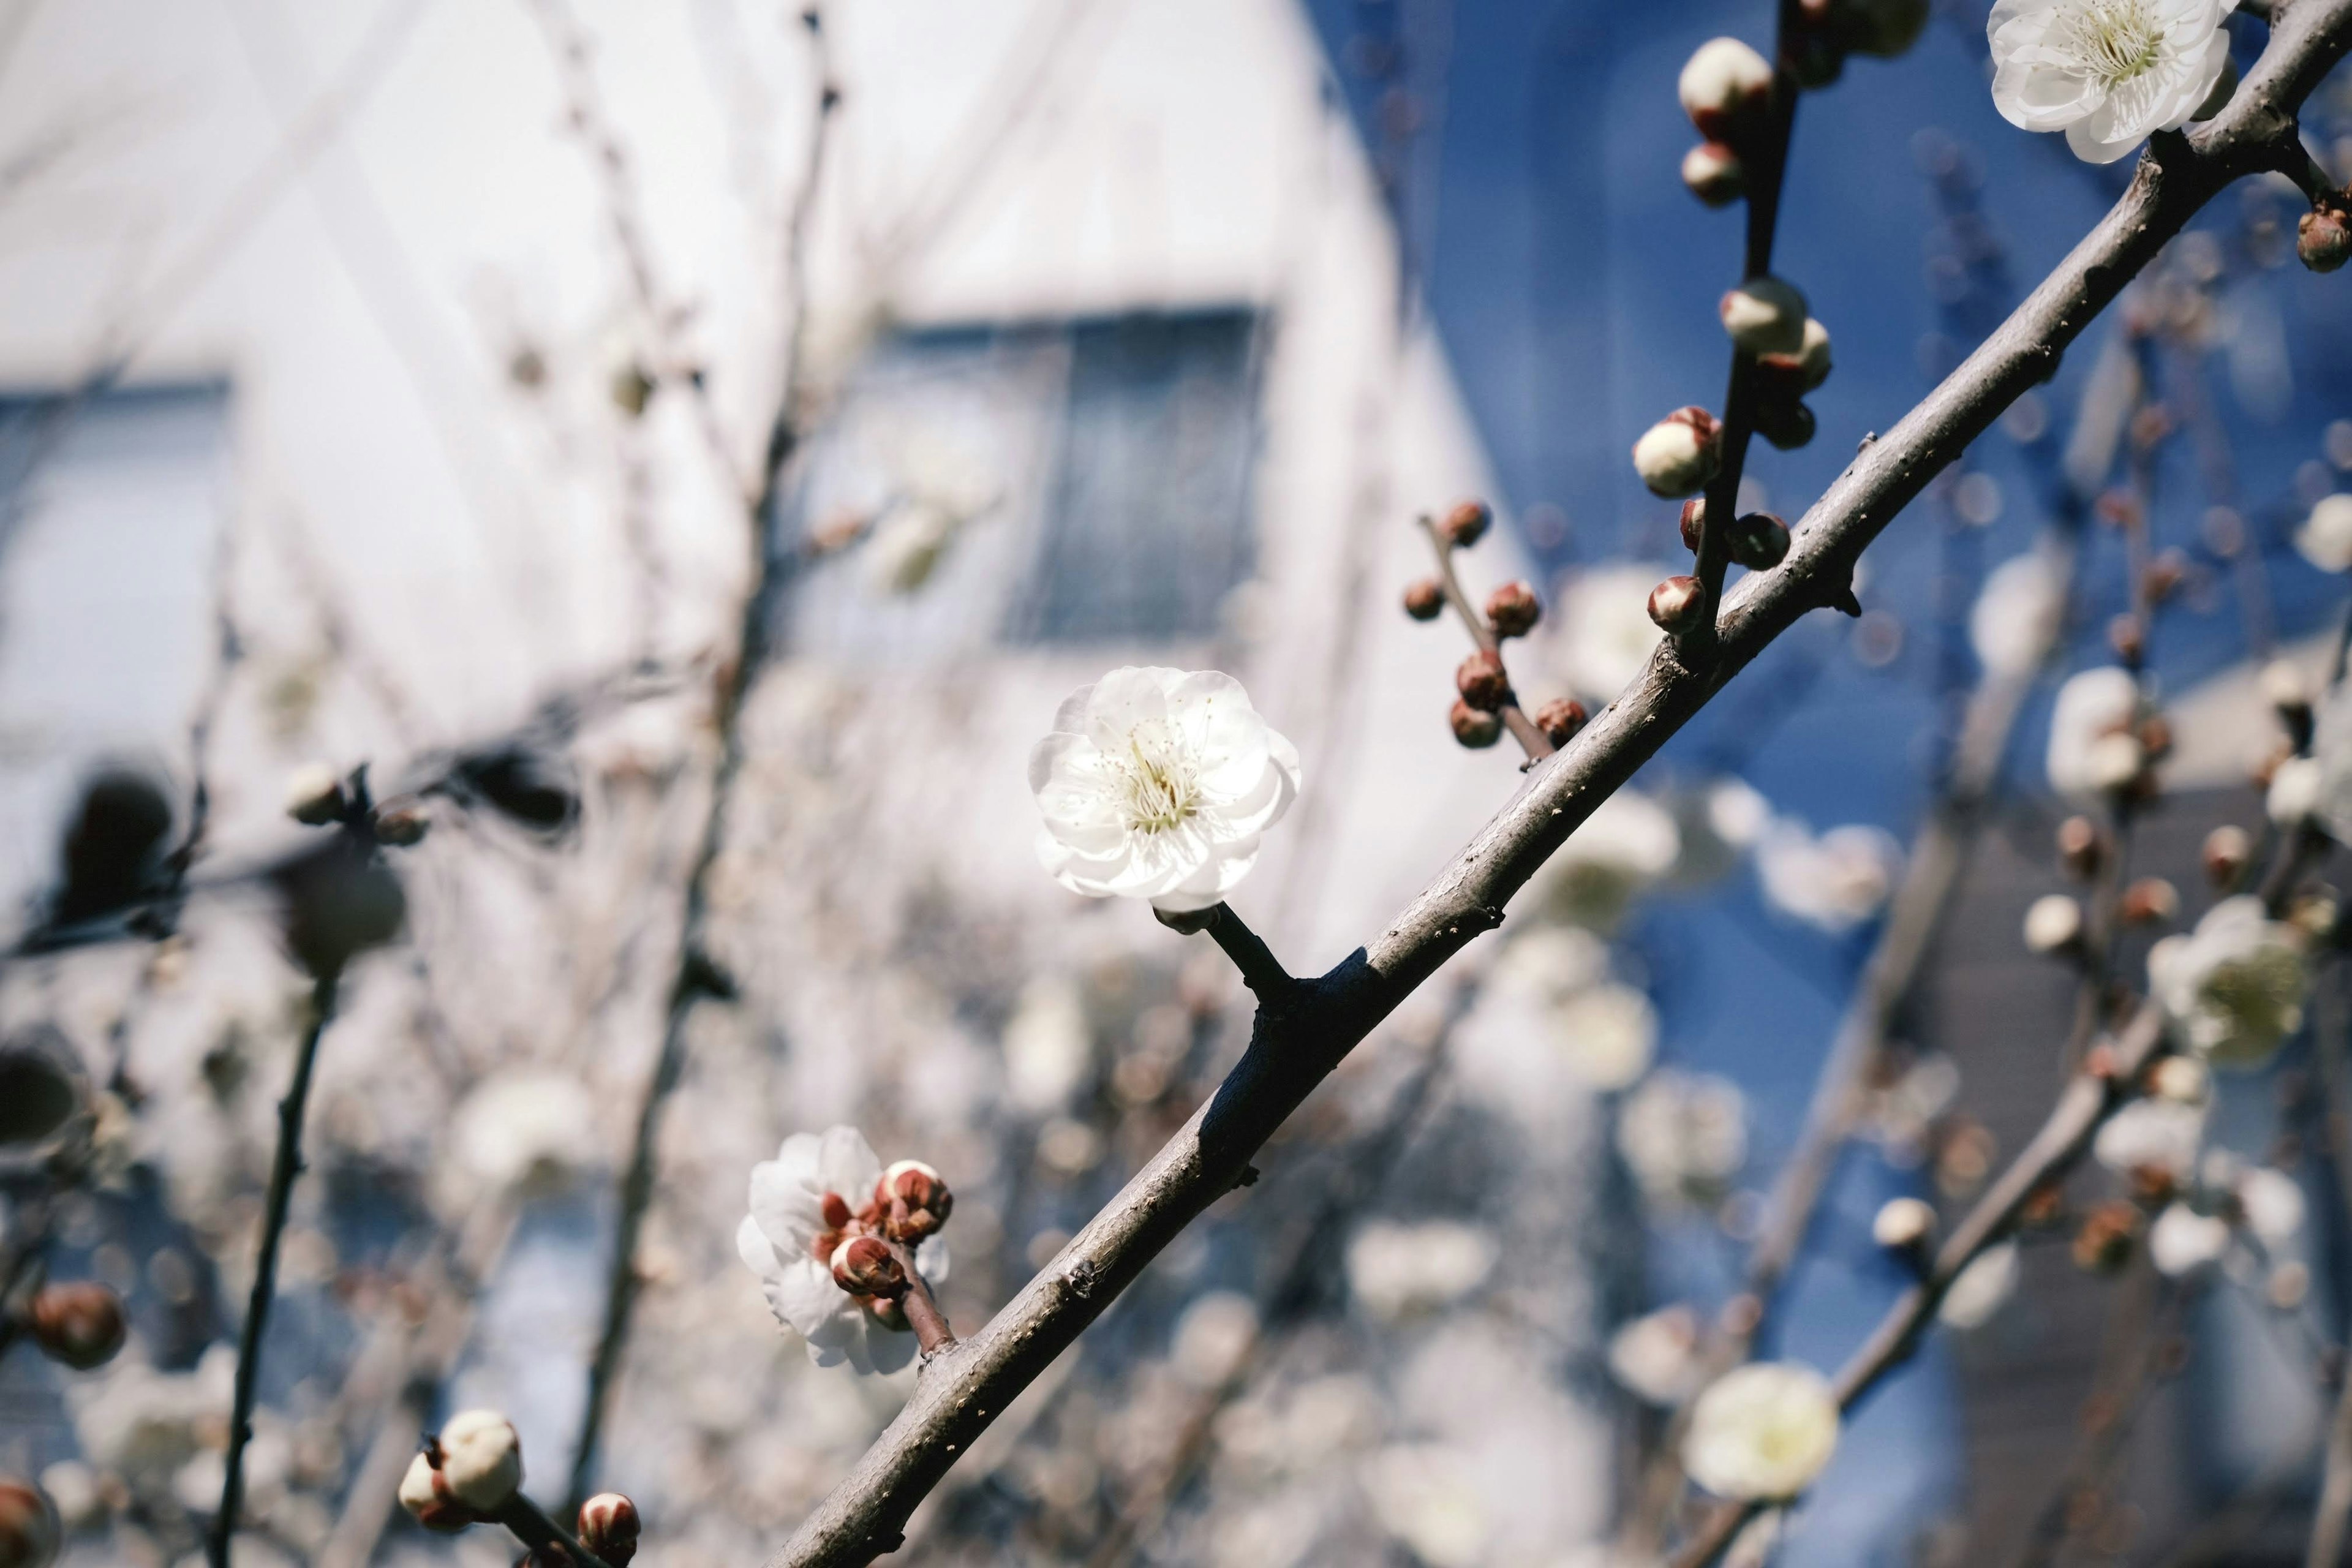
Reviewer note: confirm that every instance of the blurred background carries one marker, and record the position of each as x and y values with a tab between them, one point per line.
685	454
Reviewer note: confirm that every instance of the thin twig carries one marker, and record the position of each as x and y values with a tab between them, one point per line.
1292	1050
529	1523
284	1168
1532	740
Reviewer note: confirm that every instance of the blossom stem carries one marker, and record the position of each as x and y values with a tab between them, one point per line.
923	1314
1532	740
284	1167
530	1525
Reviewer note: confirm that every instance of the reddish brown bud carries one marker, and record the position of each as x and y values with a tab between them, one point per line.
2080	847
2151	900
2165	575
2227	851
1512	610
1694	523
1466	524
835	1210
609	1528
1677	605
1474	728
2323	240
29	1532
80	1324
1760	541
1560	719
863	1267
1481	682
1425	600
2103	1243
913	1199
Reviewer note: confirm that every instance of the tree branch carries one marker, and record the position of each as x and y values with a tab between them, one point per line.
1292	1050
1532	740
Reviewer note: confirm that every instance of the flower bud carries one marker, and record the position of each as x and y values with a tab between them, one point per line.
2227	850
1760	541
1714	173
2080	847
2053	924
1677	605
1723	86
2323	240
2284	687
425	1493
1481	682
29	1532
609	1528
1904	1225
1788	424
2114	761
80	1324
1425	600
401	826
1475	728
863	1267
1694	523
1560	719
1512	610
1465	524
2103	1243
2184	1080
1805	369
481	1458
1764	316
914	1200
1679	454
2125	637
314	794
2151	900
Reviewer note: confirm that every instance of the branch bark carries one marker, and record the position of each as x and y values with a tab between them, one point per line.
1291	1051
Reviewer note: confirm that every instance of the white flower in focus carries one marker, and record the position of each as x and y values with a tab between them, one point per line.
2182	1241
1684	1136
1762	1433
2326	537
1978	1291
523	1126
1157	783
2106	72
1655	1356
1629	842
2274	1204
2094	707
802	1203
2233	988
2017	615
1835	881
1406	1270
2152	1134
1604	634
2295	789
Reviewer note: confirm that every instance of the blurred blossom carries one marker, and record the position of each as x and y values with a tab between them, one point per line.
1429	1498
1762	1432
2152	1134
1157	784
1981	1289
1550	1005
1737	813
1629	842
2017	615
1655	1356
2296	786
2182	1241
1608	1034
2105	72
1835	881
1213	1338
1048	1048
1404	1270
145	1426
525	1125
1603	635
1683	1135
2095	707
2331	744
906	544
2274	1204
2232	990
2326	537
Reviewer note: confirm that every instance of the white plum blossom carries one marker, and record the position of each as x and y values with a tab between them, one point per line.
1762	1433
1978	1291
2326	537
1212	1339
801	1201
1159	784
2232	990
1683	1135
522	1126
2106	72
1833	882
1604	634
2092	750
1629	842
2182	1241
1405	1271
2017	615
1550	1021
2152	1134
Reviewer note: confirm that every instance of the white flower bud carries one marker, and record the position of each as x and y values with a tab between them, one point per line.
2052	924
2114	760
2284	686
425	1493
2184	1080
1765	316
2294	791
314	794
1715	173
1810	365
1903	1225
2326	537
481	1458
1762	1433
2183	1241
1679	454
1724	84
